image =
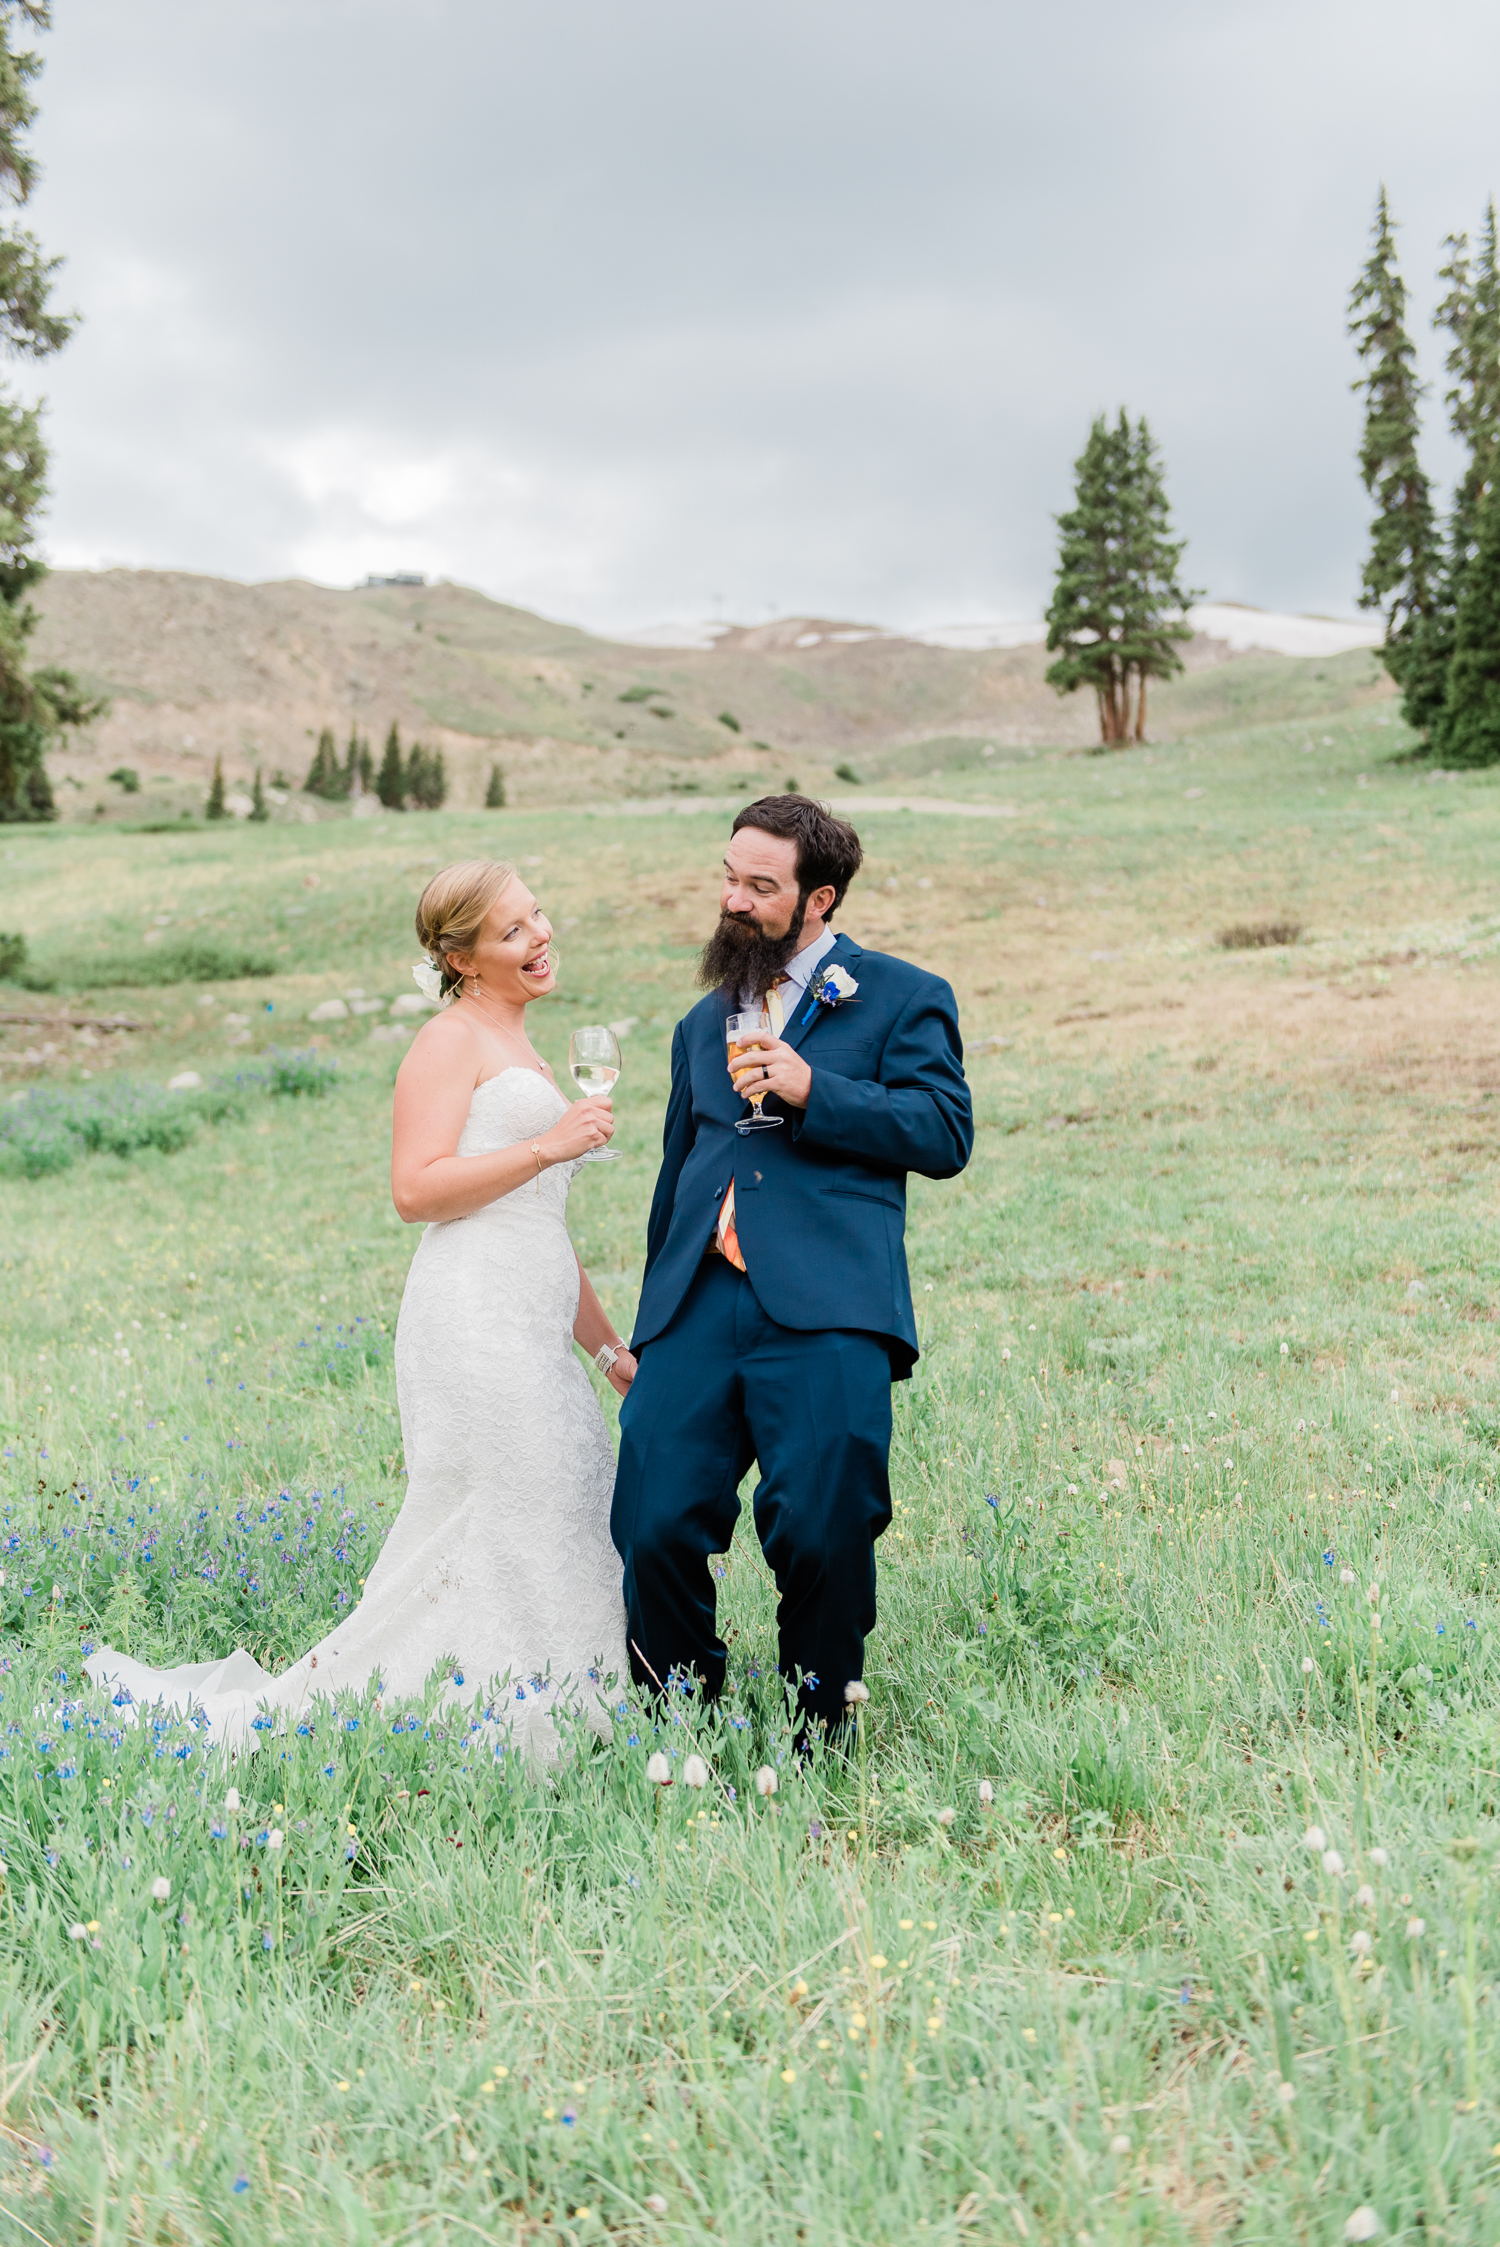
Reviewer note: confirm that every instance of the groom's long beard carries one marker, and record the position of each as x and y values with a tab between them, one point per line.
740	957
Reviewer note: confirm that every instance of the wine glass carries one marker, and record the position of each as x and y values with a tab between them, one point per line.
594	1066
740	1031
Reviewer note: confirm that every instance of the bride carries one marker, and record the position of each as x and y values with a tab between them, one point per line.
500	1562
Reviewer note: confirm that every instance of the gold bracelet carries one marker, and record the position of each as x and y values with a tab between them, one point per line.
536	1148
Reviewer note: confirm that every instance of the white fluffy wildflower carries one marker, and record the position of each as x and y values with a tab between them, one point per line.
161	1888
1364	2223
232	1799
1361	1942
1380	1858
946	1817
855	1693
658	1770
1415	1928
1333	1863
1315	1838
695	1772
986	1793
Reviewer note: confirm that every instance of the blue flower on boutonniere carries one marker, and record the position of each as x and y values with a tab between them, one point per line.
829	987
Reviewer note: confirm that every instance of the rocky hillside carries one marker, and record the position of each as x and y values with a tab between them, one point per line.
198	667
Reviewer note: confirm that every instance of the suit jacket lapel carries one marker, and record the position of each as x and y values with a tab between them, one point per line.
845	952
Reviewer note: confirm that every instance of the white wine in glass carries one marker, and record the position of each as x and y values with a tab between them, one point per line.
594	1066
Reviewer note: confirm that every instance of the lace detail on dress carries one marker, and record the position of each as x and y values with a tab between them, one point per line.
500	1560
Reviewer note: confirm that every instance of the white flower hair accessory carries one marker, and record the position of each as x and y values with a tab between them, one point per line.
429	981
829	987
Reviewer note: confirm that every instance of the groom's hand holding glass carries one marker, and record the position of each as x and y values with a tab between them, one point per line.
764	1064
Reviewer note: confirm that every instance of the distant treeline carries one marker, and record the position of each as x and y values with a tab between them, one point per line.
1437	586
413	778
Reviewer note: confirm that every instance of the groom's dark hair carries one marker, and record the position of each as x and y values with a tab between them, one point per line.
827	848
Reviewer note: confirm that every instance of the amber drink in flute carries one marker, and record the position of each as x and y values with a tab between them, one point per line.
594	1066
740	1031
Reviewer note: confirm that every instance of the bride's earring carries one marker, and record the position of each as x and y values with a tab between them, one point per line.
473	987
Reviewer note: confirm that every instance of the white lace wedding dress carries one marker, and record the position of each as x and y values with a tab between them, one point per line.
499	1565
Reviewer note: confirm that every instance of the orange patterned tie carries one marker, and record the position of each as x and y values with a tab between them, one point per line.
728	1236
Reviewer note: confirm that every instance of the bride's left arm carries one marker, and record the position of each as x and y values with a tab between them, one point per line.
592	1329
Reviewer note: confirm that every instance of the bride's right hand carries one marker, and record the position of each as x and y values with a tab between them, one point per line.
587	1124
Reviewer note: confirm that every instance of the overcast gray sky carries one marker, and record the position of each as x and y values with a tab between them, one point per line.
619	308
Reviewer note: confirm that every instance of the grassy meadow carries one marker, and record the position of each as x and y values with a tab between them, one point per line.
1196	1524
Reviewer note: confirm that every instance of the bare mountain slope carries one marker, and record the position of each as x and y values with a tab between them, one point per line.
199	667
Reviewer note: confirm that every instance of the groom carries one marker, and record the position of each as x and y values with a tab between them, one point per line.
776	1310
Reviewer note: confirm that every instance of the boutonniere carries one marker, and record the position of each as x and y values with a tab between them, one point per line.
829	987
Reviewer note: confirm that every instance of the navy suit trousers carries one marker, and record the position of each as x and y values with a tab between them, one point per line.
723	1386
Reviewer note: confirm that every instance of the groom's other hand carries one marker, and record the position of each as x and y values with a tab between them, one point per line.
766	1064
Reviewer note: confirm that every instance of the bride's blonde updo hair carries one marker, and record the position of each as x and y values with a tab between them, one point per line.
451	911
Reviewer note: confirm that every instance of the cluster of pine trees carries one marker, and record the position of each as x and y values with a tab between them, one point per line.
333	781
414	777
1437	587
1116	613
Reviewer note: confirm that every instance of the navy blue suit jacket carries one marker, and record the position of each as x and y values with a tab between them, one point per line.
820	1205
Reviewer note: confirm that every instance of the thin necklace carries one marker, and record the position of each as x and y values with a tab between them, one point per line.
541	1066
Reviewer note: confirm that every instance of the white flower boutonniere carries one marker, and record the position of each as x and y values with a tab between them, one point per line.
829	987
428	981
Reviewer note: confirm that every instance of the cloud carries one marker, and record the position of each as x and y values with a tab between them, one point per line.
616	311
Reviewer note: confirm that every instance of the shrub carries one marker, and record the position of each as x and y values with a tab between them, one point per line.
847	772
12	956
728	718
194	959
47	1130
639	694
1247	936
128	779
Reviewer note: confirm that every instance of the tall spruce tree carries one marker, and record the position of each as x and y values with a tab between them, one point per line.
323	773
260	810
216	808
494	794
1467	728
1401	572
1471	314
1116	614
390	781
35	706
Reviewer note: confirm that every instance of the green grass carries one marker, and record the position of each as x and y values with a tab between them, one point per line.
1175	1382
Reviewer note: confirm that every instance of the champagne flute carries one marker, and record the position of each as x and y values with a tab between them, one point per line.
594	1066
740	1031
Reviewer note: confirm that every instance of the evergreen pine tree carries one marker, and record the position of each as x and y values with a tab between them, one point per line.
214	808
494	795
323	772
1400	574
390	782
260	810
1471	314
1467	731
1116	614
35	706
366	769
